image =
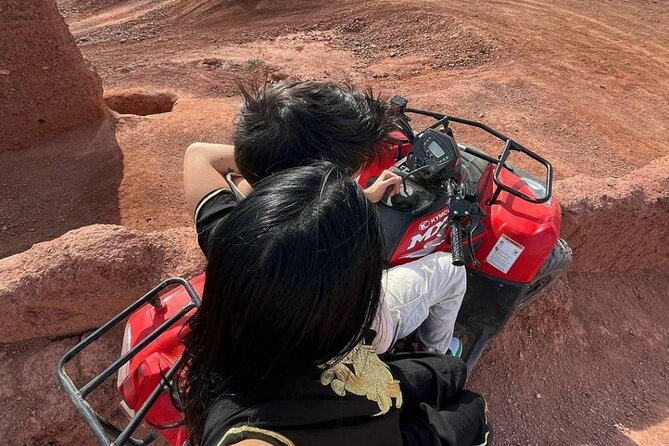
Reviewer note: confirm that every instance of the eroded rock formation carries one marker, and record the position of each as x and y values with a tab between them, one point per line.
76	282
618	224
46	85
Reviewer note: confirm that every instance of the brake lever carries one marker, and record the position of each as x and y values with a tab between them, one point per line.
470	245
475	214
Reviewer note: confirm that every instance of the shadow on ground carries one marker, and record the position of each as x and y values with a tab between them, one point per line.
53	187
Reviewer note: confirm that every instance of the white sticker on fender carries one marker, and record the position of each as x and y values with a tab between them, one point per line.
504	254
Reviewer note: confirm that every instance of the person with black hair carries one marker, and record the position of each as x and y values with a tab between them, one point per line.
279	351
293	124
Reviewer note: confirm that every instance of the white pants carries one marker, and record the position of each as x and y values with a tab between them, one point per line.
426	295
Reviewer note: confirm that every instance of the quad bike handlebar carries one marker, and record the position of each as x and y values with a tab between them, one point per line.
457	251
455	225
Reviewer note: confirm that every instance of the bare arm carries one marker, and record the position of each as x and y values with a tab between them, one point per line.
387	183
205	166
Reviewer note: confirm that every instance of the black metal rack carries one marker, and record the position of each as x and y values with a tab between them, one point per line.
104	430
510	146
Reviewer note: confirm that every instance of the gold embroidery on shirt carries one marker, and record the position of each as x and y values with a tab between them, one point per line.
362	373
238	430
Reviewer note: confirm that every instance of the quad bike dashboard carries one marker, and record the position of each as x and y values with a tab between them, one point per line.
434	156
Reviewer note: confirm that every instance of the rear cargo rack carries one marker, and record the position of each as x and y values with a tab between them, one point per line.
104	430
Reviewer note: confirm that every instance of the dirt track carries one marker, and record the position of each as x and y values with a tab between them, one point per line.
584	84
581	84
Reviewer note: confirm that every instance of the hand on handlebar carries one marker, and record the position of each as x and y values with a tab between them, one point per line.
388	183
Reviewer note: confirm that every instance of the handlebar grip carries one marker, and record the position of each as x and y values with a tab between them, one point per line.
457	251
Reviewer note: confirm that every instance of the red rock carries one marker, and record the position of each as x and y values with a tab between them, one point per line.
38	411
78	281
617	224
38	102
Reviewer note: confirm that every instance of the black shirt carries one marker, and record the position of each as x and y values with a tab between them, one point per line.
436	410
355	401
211	210
433	409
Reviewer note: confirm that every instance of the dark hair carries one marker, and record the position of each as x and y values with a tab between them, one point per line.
293	281
291	124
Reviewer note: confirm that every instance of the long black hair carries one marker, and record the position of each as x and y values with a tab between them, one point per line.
294	123
293	281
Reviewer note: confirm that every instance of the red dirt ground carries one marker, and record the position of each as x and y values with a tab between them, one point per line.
583	83
579	84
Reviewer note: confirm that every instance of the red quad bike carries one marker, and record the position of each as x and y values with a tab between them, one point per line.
496	219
